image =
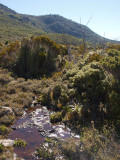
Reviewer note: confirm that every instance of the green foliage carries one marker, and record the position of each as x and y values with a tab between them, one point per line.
94	57
56	91
45	97
44	153
92	145
8	54
1	148
114	46
100	145
113	52
3	157
6	43
112	62
4	130
51	25
37	57
64	97
56	117
114	98
32	58
72	116
5	79
92	80
20	143
7	119
71	73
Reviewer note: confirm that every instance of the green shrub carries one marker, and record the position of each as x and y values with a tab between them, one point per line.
56	91
44	153
94	57
1	148
3	157
45	97
72	116
92	80
71	73
20	143
5	79
7	119
112	63
72	93
4	130
56	117
113	52
114	102
64	97
36	57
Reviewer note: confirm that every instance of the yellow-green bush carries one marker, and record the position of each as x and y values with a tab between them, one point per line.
32	57
56	91
56	117
4	130
94	57
92	80
112	62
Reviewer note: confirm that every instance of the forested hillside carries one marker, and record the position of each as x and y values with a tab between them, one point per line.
15	26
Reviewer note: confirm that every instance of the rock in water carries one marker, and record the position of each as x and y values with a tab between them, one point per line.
7	142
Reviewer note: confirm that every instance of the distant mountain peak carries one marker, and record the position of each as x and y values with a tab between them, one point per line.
6	9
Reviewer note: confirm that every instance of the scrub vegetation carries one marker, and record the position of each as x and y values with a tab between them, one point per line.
84	96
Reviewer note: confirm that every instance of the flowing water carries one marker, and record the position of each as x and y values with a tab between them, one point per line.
33	127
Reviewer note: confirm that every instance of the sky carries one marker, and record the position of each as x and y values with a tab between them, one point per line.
104	15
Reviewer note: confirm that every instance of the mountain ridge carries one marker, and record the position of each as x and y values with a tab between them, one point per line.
15	25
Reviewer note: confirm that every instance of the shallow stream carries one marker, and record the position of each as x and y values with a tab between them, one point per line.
33	127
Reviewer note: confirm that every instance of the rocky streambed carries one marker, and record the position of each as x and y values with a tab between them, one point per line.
34	127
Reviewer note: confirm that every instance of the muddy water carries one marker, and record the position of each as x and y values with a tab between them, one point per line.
33	127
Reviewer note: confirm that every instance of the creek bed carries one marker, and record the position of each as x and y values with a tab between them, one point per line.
33	127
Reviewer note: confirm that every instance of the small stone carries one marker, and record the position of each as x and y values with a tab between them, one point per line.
45	115
34	102
41	130
43	134
52	131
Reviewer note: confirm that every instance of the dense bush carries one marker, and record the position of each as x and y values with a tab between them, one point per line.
4	130
112	62
56	91
44	153
32	57
45	97
114	98
94	57
56	117
8	54
92	80
37	57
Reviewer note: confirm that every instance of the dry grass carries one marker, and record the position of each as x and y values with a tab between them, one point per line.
92	145
18	93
